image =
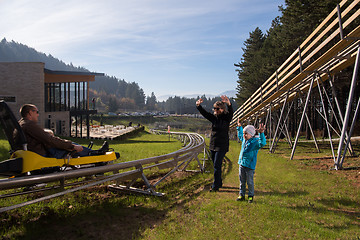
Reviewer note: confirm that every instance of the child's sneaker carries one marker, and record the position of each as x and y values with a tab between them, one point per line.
250	199
240	198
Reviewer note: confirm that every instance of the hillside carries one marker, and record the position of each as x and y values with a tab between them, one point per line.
104	88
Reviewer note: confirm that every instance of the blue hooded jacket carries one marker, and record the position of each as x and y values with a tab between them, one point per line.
249	149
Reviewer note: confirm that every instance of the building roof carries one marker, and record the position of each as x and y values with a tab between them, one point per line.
69	76
72	72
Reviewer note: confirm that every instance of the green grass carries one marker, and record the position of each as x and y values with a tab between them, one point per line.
292	201
143	145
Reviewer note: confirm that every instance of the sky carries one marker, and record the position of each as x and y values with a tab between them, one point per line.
169	47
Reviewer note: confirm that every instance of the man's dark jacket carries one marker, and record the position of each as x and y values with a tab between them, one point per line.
219	140
39	140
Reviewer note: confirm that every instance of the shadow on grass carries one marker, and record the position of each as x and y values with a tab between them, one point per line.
144	141
265	193
340	202
228	166
101	221
119	216
105	215
341	207
229	189
122	216
277	193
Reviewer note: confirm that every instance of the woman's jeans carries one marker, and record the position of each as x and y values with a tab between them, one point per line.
217	158
246	175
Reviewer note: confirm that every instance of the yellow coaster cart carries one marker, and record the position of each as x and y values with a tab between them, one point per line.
23	162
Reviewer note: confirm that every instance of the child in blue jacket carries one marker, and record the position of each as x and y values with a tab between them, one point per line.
248	157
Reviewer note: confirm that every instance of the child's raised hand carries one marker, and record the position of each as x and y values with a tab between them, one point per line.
200	101
261	128
238	122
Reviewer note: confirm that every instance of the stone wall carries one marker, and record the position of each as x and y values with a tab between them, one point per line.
25	82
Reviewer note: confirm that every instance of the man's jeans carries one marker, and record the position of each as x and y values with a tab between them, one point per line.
217	158
60	153
246	175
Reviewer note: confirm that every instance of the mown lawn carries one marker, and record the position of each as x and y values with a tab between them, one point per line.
292	201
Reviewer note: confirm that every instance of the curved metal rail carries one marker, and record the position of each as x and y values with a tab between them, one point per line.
194	145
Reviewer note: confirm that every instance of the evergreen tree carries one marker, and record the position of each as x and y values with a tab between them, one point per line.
113	104
151	102
250	72
300	18
263	54
272	52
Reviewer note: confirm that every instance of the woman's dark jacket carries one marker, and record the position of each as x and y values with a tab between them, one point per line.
219	140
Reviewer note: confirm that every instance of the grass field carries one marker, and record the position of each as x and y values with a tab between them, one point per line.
294	199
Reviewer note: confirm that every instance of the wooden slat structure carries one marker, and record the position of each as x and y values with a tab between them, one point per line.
324	53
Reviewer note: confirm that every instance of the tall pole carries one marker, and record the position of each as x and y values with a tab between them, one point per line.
302	118
348	110
279	122
351	131
339	111
325	115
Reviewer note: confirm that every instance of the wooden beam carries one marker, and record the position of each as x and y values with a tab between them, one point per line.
62	78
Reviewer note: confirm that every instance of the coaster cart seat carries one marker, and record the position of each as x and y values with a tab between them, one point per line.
24	161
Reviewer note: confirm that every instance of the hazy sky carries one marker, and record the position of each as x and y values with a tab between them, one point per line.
168	47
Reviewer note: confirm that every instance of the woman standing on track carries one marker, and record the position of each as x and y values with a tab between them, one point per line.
219	140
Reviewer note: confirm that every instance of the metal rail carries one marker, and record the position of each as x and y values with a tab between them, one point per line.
194	144
314	62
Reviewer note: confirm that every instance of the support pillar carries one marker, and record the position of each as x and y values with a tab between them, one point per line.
338	163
